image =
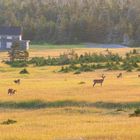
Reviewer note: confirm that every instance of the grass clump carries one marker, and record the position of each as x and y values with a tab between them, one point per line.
77	72
136	113
24	71
8	122
81	83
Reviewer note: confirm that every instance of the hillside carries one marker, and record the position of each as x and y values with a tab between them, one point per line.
70	21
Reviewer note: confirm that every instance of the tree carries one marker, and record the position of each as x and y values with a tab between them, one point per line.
16	54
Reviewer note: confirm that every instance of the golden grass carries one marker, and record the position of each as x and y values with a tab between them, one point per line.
68	121
57	52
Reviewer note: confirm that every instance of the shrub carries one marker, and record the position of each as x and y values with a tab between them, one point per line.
127	66
111	66
136	113
24	71
38	61
85	68
17	63
77	72
134	51
8	122
65	69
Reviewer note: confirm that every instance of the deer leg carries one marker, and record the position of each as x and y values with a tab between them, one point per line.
94	84
101	83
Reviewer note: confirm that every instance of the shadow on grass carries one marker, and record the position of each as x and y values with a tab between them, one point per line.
37	104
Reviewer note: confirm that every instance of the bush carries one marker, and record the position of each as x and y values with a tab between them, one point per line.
77	72
111	66
8	122
127	66
134	51
65	69
136	113
38	61
17	63
24	71
129	70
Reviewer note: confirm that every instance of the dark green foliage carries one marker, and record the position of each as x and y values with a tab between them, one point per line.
8	122
77	72
87	62
127	66
73	58
73	21
38	61
65	69
24	71
37	104
136	113
111	66
17	63
15	53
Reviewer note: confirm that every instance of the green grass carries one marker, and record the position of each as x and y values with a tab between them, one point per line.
38	104
53	46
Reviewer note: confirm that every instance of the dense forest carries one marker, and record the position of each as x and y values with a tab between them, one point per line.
73	21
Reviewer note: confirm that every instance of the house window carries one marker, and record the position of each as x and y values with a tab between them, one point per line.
9	37
8	45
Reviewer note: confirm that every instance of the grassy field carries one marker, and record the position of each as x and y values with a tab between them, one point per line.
53	46
53	106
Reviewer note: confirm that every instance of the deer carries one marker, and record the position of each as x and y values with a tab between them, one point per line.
99	81
120	75
139	75
11	91
17	81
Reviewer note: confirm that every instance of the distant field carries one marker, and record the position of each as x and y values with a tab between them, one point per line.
51	46
53	106
56	52
84	45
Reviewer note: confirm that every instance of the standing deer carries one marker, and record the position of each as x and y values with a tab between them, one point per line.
119	76
99	81
11	91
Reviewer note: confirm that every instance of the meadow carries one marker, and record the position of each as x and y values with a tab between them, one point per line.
50	105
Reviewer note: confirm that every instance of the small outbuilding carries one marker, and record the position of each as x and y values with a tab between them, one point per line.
9	35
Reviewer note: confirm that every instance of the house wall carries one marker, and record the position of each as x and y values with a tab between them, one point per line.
6	41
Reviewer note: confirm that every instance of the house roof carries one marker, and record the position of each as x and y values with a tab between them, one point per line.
10	30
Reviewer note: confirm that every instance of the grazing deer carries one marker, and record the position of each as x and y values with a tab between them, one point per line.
98	81
119	76
11	91
17	81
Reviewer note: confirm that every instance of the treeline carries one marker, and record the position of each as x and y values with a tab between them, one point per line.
73	21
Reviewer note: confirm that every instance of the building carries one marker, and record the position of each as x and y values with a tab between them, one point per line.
9	35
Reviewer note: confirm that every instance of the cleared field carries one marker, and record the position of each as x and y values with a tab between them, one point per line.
55	106
56	52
